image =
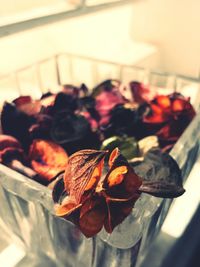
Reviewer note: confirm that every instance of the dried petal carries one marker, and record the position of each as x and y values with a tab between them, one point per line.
163	101
81	166
16	123
141	93
93	214
117	212
65	209
114	154
95	177
27	105
58	188
47	158
117	176
161	174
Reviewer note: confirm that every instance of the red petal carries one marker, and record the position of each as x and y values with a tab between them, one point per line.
117	212
92	217
178	105
141	93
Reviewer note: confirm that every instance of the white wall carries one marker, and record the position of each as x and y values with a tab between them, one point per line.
104	35
173	25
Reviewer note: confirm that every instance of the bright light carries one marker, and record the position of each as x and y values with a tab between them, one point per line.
184	207
11	255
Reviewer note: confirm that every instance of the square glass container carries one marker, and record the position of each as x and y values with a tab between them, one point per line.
27	213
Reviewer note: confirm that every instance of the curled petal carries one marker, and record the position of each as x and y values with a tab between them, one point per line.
80	170
58	188
114	154
117	176
132	182
95	176
179	105
161	189
121	182
66	209
27	105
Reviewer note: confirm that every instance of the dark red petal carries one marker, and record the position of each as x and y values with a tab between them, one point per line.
140	92
22	100
117	212
132	182
92	217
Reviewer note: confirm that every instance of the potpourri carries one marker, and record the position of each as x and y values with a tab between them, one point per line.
62	140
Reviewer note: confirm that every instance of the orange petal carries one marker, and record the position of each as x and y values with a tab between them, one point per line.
117	175
178	105
114	154
47	158
156	109
163	101
66	209
95	176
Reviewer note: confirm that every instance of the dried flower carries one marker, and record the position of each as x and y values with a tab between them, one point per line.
169	117
94	199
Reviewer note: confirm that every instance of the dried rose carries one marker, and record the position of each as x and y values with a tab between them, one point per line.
107	95
27	105
169	117
47	159
16	123
13	156
141	93
94	199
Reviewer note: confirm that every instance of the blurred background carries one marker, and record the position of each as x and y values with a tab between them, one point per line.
154	33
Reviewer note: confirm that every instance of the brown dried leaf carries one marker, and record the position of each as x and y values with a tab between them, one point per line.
80	169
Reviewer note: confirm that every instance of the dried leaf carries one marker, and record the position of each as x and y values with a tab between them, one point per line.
81	166
161	174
